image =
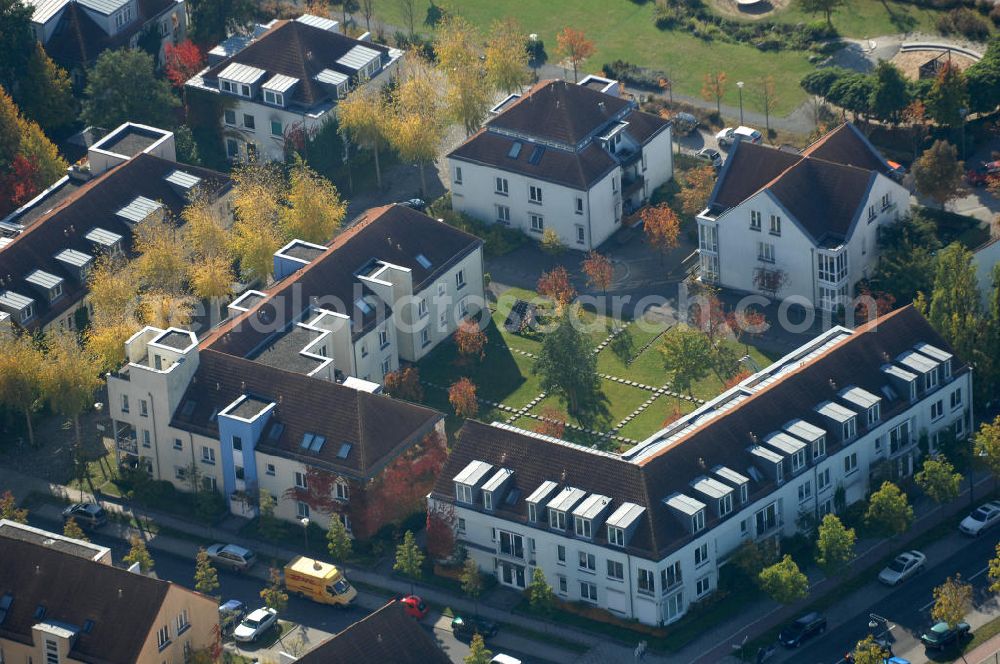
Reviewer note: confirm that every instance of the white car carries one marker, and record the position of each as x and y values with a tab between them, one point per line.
902	567
255	625
982	518
729	136
229	555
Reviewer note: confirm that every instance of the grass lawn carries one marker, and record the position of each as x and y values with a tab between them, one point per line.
622	400
868	18
572	435
651	420
102	474
625	30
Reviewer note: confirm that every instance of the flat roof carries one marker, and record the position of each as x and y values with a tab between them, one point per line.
911	359
176	339
285	351
280	83
241	73
358	57
183	179
248	299
473	473
331	77
14	300
302	250
248	408
625	515
804	430
106	7
591	506
542	492
139	209
766	454
45	9
785	443
56	541
859	397
497	480
129	140
711	487
683	503
74	257
43	279
933	352
102	236
566	499
730	475
835	411
899	372
320	22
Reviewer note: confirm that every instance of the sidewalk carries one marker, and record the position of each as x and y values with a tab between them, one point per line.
988	653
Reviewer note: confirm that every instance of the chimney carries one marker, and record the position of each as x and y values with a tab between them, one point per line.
833	385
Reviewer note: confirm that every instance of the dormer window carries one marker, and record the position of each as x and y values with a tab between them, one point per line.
913	390
463	493
26	314
874	414
819	448
488	500
850	428
744	493
798	461
275	98
779	472
931	379
532	512
616	536
698	521
725	504
582	527
557	520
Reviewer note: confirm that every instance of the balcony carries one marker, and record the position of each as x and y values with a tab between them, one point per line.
632	185
126	442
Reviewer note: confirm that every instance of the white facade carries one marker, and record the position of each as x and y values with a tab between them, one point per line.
660	591
759	234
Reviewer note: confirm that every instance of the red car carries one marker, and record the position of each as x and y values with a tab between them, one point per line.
414	606
981	174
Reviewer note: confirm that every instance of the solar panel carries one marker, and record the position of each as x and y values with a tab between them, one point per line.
536	154
345	449
515	150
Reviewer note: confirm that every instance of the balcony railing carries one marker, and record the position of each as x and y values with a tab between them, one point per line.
632	185
127	444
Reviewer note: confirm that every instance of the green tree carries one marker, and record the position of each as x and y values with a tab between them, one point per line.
994	573
10	132
567	367
825	7
71	376
472	581
210	19
338	542
983	80
867	651
274	594
16	40
891	94
206	578
21	376
952	600
888	510
138	554
9	509
269	526
948	96
122	87
45	93
409	559
938	173
687	356
315	209
40	151
540	593
72	529
907	250
939	480
834	545
987	446
478	653
784	581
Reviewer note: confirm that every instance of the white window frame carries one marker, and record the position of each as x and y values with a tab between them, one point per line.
701	555
503	214
300	480
536	223
534	193
502	186
616	536
463	493
583	527
755	220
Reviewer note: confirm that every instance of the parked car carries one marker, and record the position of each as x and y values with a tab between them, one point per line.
902	567
417	204
504	659
711	155
729	136
980	174
802	630
684	123
255	625
229	555
87	515
465	628
414	606
982	519
231	613
898	171
940	636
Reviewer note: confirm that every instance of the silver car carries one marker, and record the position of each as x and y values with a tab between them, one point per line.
982	518
902	567
229	555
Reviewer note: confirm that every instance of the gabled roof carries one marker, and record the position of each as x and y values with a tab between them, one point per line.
301	51
823	187
94	205
726	440
387	635
79	39
395	234
376	426
74	590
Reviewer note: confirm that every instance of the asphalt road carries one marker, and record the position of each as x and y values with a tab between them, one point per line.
907	607
321	621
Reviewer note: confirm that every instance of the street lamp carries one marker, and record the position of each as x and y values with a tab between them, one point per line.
739	84
305	530
964	112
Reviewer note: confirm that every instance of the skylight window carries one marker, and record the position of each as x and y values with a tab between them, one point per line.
88	626
344	451
214	415
5	603
188	408
515	150
317	443
307	440
363	306
39	612
276	431
536	154
424	263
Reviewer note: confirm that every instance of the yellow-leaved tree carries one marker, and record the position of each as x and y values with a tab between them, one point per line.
507	56
255	237
364	119
417	121
315	210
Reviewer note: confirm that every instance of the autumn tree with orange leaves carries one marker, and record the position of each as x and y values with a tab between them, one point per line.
553	422
555	285
599	271
404	384
441	522
746	323
662	227
574	46
714	87
471	341
182	62
462	397
872	304
698	185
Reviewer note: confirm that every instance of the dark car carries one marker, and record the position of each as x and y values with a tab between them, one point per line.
417	204
465	628
710	155
980	175
940	636
86	515
802	630
231	614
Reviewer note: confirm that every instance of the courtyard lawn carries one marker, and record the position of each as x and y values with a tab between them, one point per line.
622	400
571	435
652	419
868	18
624	30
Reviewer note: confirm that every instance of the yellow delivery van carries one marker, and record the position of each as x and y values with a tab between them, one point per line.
321	582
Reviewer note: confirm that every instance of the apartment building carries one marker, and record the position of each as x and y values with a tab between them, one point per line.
75	32
50	245
61	600
287	78
643	534
785	224
573	158
285	394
